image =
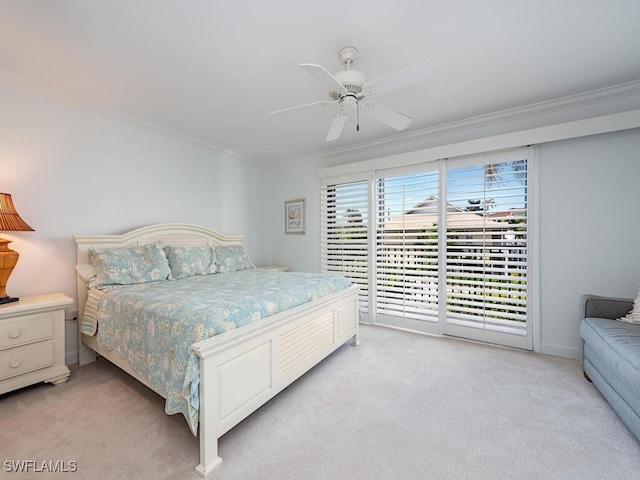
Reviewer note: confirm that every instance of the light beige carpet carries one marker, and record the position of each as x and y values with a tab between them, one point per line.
399	406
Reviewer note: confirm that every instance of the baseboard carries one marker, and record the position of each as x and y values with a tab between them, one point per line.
560	351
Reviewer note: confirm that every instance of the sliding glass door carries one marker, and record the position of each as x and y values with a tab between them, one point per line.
406	249
486	257
440	248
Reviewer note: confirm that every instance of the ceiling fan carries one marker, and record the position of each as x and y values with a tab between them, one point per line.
349	89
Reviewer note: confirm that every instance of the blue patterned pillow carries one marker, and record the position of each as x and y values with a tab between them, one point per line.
190	261
232	259
126	266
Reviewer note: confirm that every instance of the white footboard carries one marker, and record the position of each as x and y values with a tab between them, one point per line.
249	366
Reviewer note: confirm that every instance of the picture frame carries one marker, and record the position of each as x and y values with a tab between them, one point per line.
294	217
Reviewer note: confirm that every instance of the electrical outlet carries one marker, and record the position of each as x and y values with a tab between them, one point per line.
71	314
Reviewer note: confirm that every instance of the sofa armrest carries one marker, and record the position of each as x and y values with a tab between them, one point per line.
604	307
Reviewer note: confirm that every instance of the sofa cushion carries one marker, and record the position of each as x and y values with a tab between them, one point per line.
617	345
621	398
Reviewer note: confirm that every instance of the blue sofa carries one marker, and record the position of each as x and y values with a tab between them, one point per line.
610	355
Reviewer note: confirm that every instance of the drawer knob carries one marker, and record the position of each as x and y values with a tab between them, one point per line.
14	333
14	363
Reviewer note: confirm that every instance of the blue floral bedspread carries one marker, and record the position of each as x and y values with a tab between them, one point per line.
152	325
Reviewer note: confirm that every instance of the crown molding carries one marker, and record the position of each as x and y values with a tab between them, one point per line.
404	142
550	133
11	80
124	117
399	143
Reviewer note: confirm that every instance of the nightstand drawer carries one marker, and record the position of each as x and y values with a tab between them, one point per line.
31	328
27	359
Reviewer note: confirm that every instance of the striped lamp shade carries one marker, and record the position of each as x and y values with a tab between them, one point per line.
9	218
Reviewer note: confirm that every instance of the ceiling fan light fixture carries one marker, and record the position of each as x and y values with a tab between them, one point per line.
349	100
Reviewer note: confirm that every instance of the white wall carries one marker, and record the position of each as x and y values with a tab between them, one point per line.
300	252
72	171
589	231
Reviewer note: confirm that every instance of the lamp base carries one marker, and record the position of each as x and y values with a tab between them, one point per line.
8	260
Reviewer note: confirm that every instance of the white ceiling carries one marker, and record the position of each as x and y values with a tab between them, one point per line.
211	71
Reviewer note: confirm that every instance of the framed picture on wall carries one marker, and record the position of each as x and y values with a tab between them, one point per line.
294	217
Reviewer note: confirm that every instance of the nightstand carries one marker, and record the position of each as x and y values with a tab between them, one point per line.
275	268
32	341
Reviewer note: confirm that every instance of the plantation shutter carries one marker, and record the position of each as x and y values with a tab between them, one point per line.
487	246
344	232
439	247
407	247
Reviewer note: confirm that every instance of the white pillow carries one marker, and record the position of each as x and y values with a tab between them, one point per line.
88	274
634	315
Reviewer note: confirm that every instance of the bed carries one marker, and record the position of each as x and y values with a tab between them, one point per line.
239	365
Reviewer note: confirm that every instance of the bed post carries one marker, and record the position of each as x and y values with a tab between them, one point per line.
207	424
355	340
85	354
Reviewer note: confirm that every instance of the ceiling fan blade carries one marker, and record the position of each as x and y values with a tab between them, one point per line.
323	76
336	127
405	77
321	103
339	120
387	116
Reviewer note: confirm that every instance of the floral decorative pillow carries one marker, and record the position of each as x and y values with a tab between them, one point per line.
126	266
190	261
232	259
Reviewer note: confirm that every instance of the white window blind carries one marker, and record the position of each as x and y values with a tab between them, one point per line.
441	247
486	257
344	232
407	247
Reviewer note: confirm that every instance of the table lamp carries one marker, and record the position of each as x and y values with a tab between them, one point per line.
9	221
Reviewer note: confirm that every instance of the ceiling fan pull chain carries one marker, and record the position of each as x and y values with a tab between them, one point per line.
357	116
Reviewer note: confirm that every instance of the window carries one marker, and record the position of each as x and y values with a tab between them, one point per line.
344	230
467	279
486	247
407	246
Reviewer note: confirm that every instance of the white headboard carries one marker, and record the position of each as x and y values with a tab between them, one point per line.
176	234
